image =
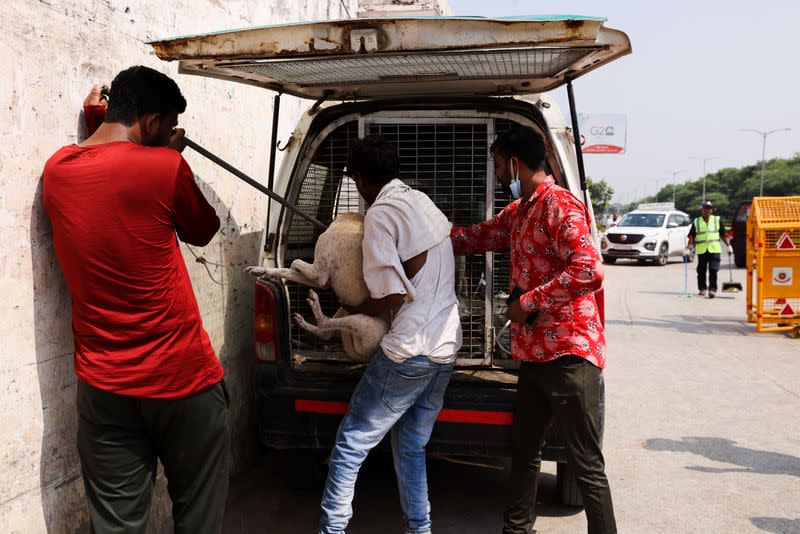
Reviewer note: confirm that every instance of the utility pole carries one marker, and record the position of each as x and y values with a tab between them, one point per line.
674	174
704	160
764	136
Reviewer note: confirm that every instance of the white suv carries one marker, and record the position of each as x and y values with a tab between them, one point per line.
647	235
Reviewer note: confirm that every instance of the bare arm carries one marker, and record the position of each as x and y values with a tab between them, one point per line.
377	307
384	305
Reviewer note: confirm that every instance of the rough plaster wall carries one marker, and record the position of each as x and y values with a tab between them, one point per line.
51	52
394	8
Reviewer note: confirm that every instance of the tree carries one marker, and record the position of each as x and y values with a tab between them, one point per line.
600	193
726	188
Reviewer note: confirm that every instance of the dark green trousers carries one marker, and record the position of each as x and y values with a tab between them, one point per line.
565	391
121	439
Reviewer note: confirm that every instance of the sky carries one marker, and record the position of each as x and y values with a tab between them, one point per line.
700	71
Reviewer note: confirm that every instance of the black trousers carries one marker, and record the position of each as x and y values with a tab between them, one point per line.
567	392
120	440
707	261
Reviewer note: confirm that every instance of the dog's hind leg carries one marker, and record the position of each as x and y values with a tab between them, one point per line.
361	334
312	274
327	335
319	317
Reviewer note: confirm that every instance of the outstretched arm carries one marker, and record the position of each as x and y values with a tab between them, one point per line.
494	234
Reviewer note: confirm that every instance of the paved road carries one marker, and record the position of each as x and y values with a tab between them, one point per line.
702	435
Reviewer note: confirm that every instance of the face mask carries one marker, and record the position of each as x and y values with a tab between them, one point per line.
515	187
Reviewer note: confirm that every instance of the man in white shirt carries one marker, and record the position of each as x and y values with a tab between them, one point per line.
410	271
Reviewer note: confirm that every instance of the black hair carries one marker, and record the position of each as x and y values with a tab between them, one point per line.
523	143
374	159
139	90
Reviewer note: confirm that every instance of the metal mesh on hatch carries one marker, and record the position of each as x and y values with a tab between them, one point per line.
377	68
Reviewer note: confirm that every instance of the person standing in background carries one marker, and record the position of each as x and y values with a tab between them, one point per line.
706	234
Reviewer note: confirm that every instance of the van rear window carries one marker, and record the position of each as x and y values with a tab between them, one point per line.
449	161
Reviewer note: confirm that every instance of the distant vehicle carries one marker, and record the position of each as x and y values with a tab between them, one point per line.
647	235
739	231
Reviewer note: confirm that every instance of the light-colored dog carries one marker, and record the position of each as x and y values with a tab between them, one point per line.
338	265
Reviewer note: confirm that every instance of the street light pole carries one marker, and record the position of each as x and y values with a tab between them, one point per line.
705	160
674	174
764	136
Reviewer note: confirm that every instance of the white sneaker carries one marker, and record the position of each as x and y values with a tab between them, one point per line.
711	294
702	292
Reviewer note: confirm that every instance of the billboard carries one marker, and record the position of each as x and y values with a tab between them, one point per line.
603	133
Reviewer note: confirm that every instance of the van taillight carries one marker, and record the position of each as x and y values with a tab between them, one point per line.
265	308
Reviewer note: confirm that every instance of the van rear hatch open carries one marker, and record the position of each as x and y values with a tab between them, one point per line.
443	154
373	58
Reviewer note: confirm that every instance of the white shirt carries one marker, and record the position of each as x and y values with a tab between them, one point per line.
401	224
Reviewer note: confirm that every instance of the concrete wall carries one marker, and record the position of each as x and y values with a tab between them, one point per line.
52	51
399	8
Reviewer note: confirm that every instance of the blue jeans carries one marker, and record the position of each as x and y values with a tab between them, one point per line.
406	398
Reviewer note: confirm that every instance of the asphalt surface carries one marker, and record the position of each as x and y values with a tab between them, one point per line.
702	432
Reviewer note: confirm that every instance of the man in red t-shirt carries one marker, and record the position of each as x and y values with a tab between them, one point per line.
150	386
556	331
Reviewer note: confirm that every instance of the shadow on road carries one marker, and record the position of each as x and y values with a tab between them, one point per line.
726	451
725	264
778	525
691	324
720	296
464	499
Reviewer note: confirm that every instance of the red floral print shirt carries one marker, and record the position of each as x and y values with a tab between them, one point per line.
554	261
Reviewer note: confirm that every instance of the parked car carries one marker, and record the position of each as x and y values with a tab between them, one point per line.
739	232
647	236
441	89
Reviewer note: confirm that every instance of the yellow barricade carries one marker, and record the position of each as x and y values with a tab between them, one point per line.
773	264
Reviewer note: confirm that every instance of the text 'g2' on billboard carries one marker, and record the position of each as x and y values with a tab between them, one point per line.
602	133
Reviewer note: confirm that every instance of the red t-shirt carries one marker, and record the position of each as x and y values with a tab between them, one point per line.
115	209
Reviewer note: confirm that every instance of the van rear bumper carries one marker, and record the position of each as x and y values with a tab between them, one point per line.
305	411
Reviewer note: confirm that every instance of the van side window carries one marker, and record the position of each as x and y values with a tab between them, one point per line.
321	191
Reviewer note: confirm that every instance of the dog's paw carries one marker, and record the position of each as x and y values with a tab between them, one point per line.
298	319
255	270
264	272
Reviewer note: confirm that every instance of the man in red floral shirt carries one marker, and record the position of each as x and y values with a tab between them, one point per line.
556	330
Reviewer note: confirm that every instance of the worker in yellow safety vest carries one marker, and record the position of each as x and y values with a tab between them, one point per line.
707	234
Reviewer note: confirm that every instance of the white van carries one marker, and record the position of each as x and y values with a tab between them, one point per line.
441	89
